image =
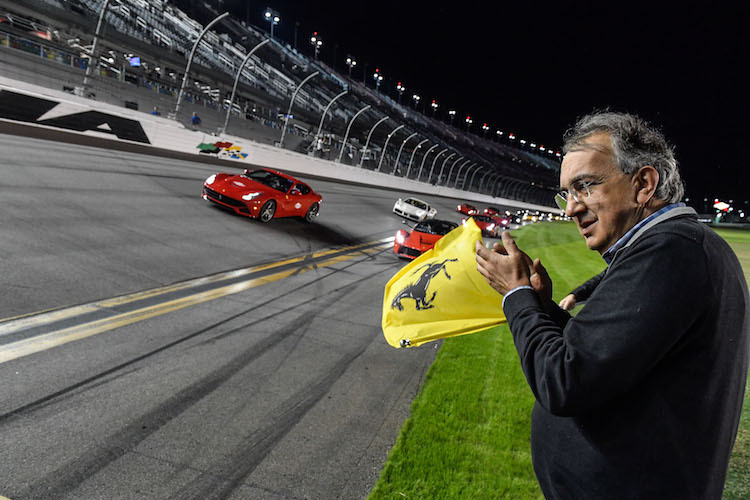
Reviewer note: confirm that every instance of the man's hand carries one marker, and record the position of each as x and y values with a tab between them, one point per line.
569	302
541	281
504	268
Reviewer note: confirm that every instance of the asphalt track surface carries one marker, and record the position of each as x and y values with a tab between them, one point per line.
186	352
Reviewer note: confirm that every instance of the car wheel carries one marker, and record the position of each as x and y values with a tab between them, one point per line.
312	212
267	211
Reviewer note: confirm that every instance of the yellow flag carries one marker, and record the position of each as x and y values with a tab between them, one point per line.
441	294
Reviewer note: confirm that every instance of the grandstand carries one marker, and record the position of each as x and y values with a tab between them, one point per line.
141	59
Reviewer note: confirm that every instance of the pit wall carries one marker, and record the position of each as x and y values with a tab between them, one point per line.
29	104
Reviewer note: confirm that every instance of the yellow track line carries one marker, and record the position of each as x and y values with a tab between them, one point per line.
46	341
10	325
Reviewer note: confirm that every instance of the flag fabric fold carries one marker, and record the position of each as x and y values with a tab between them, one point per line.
441	294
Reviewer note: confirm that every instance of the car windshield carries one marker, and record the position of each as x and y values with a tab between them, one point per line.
493	209
416	203
441	227
483	218
271	180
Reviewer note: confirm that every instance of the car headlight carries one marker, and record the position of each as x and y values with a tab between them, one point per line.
399	237
490	227
250	196
211	179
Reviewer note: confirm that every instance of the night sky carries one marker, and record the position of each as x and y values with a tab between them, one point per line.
526	68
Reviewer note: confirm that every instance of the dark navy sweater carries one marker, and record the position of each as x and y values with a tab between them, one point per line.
639	396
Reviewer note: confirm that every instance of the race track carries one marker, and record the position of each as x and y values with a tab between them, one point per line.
188	352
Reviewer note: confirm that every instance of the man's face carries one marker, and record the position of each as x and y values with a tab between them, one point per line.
611	209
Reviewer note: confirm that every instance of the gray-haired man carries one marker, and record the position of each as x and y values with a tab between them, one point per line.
639	395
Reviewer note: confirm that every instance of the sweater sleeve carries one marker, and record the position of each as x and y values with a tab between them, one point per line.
649	301
584	291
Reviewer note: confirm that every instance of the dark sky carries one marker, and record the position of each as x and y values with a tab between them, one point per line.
532	69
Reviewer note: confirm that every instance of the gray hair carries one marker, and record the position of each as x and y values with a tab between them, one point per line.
634	144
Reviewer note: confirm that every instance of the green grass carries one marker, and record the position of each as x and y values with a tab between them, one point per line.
468	435
738	477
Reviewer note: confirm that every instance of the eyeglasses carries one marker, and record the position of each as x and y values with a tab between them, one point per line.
579	191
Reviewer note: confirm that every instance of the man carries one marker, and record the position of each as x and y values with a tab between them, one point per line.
639	395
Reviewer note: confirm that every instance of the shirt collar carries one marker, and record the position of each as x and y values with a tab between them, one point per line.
610	253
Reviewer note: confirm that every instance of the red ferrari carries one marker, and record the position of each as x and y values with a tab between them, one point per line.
263	194
491	211
412	244
489	225
467	209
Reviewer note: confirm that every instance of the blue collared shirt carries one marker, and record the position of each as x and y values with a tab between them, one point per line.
611	251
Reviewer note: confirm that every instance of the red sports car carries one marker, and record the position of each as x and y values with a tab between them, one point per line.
502	220
491	211
489	225
467	209
263	194
412	244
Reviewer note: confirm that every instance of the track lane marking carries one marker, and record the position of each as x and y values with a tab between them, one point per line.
17	323
49	340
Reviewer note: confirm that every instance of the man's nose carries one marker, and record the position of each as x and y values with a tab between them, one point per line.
573	207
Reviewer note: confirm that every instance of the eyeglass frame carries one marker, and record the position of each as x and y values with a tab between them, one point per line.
561	198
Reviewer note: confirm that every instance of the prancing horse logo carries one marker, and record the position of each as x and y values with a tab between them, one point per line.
418	290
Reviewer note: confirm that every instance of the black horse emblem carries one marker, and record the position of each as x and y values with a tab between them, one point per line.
418	290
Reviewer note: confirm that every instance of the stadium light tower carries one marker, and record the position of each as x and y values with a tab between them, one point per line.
316	42
350	62
401	89
272	17
434	106
452	114
378	78
469	121
416	99
485	128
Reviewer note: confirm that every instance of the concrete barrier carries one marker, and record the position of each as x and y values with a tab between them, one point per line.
37	106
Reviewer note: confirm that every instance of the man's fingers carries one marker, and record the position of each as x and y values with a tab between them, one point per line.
498	248
509	243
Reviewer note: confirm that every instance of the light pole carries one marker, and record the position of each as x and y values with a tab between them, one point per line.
325	111
367	142
469	121
434	107
190	61
432	169
346	136
289	111
485	128
419	174
273	18
401	89
466	175
385	146
350	62
452	114
237	80
440	175
399	152
471	182
458	174
316	42
450	172
92	58
416	99
412	157
378	78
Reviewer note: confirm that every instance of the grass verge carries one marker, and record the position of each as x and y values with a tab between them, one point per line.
468	435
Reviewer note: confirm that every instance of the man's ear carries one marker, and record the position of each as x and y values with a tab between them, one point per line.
647	179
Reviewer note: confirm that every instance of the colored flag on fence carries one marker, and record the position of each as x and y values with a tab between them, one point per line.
441	294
